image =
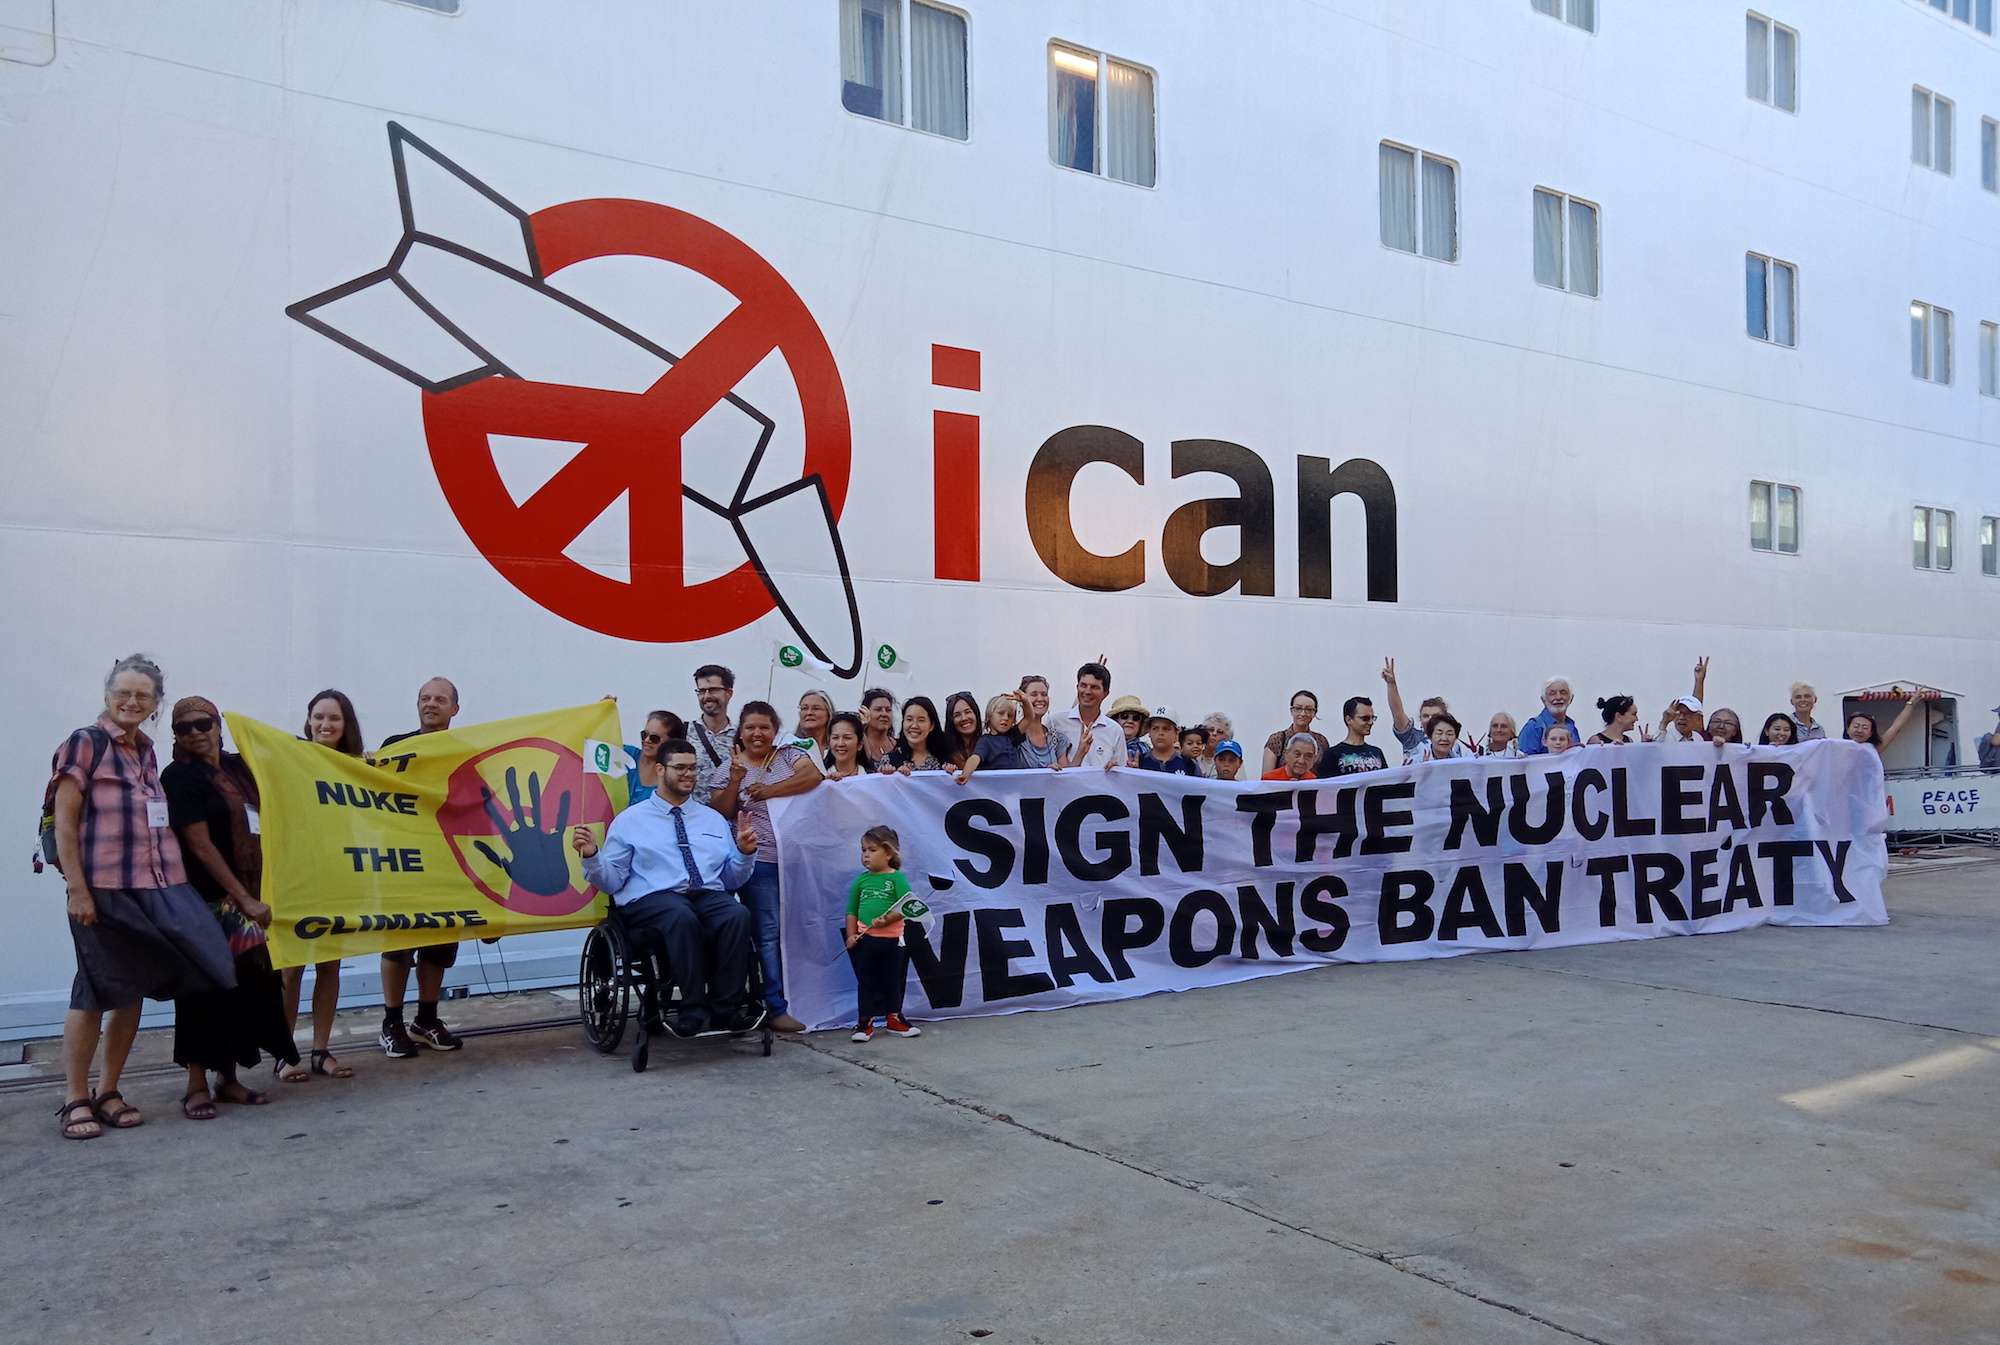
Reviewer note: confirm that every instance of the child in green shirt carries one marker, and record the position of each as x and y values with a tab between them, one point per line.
875	937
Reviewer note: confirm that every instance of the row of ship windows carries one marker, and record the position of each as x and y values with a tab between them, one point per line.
1774	527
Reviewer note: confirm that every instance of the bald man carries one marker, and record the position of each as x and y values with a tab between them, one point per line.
437	705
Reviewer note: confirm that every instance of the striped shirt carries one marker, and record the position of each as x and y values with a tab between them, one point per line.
121	848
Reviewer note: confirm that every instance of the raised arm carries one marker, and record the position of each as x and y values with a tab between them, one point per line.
1701	680
1397	715
1902	720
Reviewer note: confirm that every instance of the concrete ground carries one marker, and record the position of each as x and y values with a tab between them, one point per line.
1772	1136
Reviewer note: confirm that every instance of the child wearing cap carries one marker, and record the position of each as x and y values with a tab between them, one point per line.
1164	731
1228	759
875	937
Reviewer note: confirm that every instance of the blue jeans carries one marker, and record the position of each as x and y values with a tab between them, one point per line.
760	894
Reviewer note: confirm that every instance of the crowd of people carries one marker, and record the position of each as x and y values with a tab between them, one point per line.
163	866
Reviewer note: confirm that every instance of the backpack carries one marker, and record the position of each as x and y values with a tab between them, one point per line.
46	852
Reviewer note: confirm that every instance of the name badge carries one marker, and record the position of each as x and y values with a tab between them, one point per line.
156	812
250	815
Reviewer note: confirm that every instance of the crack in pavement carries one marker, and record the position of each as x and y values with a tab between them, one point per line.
1392	1260
1737	999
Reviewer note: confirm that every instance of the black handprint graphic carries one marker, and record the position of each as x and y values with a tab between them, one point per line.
539	860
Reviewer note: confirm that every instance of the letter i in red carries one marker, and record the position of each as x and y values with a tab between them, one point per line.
955	468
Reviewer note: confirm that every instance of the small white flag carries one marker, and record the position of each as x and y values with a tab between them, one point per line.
605	758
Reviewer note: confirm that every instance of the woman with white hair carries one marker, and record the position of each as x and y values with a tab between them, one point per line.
1220	729
1503	737
1556	698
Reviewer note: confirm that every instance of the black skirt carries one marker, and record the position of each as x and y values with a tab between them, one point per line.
221	1029
148	943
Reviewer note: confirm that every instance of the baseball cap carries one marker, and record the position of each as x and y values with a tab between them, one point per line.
1126	705
1162	712
1690	702
1229	745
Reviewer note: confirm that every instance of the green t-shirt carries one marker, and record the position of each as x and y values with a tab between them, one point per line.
873	893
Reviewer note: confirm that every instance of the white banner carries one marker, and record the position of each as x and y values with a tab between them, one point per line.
1056	888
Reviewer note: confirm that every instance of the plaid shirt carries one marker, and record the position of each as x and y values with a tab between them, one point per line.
120	848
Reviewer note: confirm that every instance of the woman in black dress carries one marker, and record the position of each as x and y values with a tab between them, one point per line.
212	803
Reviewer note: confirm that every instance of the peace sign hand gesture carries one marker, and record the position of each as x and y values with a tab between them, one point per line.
746	838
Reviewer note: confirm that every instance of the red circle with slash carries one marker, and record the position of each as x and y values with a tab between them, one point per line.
632	440
532	832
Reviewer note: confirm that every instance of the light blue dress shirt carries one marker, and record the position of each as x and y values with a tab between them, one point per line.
642	852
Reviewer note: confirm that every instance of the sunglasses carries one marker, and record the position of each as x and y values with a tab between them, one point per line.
652	737
184	727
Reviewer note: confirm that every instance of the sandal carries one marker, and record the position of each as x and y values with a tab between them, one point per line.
289	1071
240	1094
116	1118
339	1071
71	1128
198	1111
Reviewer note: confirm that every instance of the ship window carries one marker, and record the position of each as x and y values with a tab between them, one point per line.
1419	204
1930	130
1989	546
1773	60
436	6
1101	117
1579	13
1930	343
1566	242
1774	518
1771	299
876	80
1978	13
1989	154
1931	537
1989	359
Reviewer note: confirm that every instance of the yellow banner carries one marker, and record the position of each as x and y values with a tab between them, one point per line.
442	837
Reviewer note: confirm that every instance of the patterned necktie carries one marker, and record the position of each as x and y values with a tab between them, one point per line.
687	852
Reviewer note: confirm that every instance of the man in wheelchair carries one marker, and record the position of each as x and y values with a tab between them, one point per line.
681	859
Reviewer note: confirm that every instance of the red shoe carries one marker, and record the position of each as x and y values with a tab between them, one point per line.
865	1032
900	1026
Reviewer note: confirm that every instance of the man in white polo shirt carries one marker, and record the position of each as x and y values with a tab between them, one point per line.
1099	739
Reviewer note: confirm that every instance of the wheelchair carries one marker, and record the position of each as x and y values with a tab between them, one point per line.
615	983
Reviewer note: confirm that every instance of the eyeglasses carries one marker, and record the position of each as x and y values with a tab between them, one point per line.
652	737
182	728
678	766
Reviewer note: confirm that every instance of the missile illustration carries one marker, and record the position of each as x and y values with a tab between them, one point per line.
463	298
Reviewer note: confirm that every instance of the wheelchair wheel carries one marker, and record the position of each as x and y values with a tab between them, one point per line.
603	991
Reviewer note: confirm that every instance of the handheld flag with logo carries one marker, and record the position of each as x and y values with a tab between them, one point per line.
463	834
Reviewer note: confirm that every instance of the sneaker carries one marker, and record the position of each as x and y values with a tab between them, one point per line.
435	1035
900	1026
866	1032
396	1043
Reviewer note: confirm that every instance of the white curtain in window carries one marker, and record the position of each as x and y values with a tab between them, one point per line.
1784	303
937	71
1582	248
1940	346
1920	537
1941	136
871	58
1398	169
1757	57
1920	127
1760	516
1756	297
1788	518
1785	68
1440	210
1941	521
1128	124
1920	364
1549	238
